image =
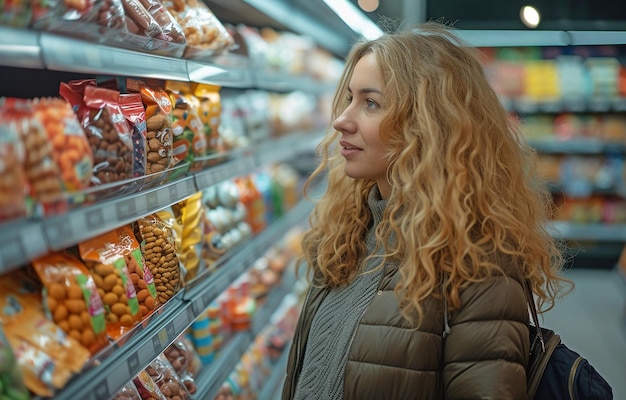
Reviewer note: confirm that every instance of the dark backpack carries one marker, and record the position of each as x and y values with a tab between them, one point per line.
556	372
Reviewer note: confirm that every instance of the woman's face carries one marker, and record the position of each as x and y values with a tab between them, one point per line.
359	125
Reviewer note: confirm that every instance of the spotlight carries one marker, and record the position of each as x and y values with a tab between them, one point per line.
530	16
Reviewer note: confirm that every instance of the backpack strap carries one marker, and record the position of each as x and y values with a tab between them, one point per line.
533	312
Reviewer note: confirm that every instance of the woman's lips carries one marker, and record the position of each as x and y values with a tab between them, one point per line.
348	148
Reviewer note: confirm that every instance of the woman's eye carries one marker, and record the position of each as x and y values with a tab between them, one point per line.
371	104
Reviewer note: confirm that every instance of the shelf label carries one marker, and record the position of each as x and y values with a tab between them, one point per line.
12	252
59	232
156	343
174	193
94	219
126	209
152	201
133	363
170	332
102	390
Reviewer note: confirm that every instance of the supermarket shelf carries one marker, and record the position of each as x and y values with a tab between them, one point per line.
213	376
114	369
25	240
39	49
577	146
273	386
593	232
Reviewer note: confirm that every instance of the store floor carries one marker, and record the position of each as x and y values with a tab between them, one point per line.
592	321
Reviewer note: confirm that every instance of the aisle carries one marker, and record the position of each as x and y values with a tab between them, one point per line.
592	321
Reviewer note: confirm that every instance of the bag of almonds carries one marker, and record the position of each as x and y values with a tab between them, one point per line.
159	137
72	300
159	251
104	257
139	272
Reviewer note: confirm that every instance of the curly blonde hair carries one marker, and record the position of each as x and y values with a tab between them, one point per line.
464	189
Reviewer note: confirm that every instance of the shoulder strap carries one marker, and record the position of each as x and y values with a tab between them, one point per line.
533	312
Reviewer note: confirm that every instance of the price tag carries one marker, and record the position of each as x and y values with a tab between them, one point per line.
163	335
174	193
191	315
156	343
191	187
152	201
133	363
12	252
102	391
94	219
126	209
171	332
59	232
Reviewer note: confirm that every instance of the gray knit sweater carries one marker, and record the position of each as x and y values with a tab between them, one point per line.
335	323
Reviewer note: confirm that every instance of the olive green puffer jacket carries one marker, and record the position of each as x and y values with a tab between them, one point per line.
483	356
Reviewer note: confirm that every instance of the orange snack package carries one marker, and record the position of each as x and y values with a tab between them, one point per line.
71	299
139	273
159	251
158	115
12	174
47	357
104	257
70	147
210	110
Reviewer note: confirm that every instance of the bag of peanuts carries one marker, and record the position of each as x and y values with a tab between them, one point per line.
159	251
206	36
187	129
71	299
139	272
47	357
110	138
135	115
104	257
12	175
181	356
44	184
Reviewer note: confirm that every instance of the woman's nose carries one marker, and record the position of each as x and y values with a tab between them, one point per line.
344	123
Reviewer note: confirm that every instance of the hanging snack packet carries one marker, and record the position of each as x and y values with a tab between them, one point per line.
72	300
159	251
210	110
104	257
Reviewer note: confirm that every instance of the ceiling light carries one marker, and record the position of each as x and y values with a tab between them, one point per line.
368	5
354	18
530	16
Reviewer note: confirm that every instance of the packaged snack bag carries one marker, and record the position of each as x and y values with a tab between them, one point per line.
147	388
11	382
41	170
159	251
139	273
162	373
104	257
47	357
210	110
70	147
12	175
188	213
110	138
187	129
158	126
71	299
127	392
135	114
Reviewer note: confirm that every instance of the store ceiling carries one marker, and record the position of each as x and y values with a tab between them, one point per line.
315	19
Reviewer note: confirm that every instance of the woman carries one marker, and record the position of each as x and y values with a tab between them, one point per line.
431	223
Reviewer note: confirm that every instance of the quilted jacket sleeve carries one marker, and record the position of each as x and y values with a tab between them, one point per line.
487	349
